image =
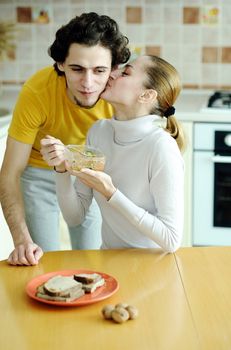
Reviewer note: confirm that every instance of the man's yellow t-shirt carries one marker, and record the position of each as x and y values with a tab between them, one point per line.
43	108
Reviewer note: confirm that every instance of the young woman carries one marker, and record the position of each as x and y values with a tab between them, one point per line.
140	191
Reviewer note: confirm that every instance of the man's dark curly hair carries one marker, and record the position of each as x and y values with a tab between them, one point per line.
90	29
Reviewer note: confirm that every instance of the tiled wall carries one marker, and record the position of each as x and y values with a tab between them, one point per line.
195	35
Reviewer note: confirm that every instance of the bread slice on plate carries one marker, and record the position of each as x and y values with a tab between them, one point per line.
90	281
61	286
75	295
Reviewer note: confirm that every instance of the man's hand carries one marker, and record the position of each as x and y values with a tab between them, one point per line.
52	150
25	254
97	180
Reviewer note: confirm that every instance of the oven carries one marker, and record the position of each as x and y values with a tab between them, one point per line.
212	184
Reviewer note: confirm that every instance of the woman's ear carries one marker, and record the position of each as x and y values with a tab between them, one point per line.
148	96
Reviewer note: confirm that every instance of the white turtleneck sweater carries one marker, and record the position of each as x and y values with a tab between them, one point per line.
146	167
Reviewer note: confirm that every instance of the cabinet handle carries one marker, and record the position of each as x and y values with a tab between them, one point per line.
221	159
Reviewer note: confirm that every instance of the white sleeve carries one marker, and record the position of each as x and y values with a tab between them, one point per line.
166	186
74	198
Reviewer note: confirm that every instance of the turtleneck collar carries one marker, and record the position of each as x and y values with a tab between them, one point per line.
135	129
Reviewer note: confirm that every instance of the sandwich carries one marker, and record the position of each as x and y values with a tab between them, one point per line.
60	288
69	288
89	281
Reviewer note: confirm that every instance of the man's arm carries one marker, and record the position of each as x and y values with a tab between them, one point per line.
15	160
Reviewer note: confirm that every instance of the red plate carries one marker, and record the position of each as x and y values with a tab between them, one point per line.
110	287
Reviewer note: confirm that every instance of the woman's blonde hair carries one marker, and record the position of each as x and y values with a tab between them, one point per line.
164	78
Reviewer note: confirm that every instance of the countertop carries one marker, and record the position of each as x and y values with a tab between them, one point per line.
190	105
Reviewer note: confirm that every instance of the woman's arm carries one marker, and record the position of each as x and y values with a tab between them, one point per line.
74	198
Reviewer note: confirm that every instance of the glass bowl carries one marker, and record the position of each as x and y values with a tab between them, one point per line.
84	156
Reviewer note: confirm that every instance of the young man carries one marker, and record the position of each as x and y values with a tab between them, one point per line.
62	101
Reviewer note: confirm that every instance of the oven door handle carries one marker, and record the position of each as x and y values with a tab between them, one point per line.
221	159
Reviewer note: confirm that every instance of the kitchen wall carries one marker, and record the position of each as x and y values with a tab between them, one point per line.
195	35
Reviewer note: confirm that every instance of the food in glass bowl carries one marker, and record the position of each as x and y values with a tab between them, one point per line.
84	156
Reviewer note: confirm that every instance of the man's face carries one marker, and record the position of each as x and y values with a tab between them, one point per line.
87	69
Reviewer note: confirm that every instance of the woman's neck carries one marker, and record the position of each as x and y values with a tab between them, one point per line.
129	113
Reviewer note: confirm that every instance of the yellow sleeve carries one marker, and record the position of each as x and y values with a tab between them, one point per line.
29	114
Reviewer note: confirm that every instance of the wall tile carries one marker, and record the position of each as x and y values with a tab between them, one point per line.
42	2
42	33
135	33
226	15
134	14
132	3
153	35
173	54
109	2
191	74
117	13
210	74
172	15
6	2
171	2
9	71
210	36
41	54
79	2
93	7
42	14
191	15
152	2
136	50
24	14
24	33
211	2
7	13
210	14
225	75
11	54
152	14
192	54
26	70
191	35
75	11
153	50
25	52
210	54
226	35
24	2
172	34
226	55
188	3
57	2
62	14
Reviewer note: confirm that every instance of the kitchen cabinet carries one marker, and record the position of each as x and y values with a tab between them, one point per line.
188	159
6	242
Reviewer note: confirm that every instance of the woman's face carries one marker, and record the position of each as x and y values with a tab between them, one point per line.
125	85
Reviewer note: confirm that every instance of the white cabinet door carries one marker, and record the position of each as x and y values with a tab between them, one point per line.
6	242
188	159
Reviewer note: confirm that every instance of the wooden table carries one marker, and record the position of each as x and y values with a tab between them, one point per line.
184	301
206	277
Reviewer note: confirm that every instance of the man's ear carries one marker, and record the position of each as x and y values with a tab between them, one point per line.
149	95
60	66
